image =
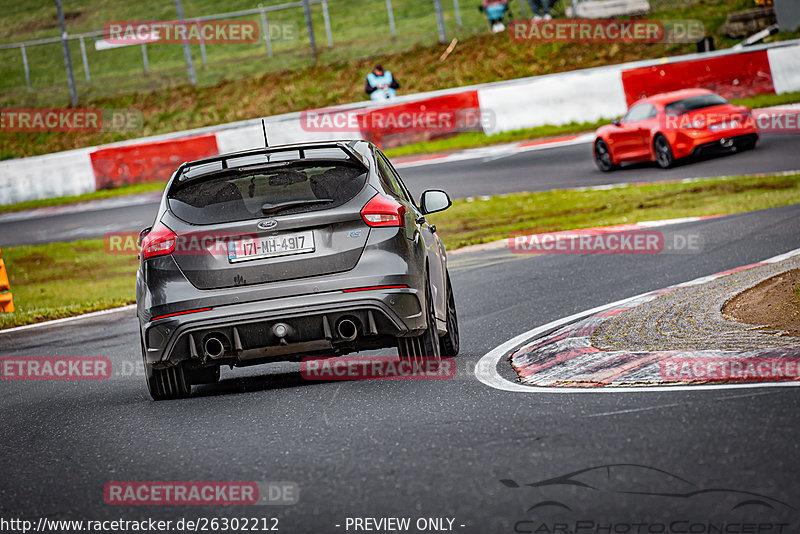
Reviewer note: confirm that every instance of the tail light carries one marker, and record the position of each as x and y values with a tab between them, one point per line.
160	241
382	211
697	124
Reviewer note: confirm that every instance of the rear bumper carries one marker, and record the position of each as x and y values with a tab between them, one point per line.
705	141
724	144
247	329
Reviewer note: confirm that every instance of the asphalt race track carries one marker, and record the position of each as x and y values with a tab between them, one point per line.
423	449
535	170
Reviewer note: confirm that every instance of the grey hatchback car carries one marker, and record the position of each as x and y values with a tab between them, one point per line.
274	254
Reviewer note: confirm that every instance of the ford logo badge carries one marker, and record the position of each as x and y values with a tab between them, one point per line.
268	224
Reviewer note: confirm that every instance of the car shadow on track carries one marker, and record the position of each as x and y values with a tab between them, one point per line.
689	160
254	383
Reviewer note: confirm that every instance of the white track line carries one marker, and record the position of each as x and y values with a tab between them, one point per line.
486	368
69	319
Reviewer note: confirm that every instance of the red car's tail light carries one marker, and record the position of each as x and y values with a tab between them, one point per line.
160	241
382	211
696	124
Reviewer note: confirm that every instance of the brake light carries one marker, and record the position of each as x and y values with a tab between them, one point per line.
179	313
696	124
372	288
382	211
160	241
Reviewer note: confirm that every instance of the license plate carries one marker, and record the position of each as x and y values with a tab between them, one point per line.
253	248
724	125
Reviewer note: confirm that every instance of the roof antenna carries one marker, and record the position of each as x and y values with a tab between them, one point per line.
264	127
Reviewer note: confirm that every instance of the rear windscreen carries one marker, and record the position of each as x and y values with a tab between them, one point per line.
271	190
693	103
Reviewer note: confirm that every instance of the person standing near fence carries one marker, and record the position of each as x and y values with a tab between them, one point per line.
381	84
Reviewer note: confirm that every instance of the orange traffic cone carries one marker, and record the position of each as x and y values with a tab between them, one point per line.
6	299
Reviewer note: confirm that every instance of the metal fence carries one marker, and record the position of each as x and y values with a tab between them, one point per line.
39	64
33	71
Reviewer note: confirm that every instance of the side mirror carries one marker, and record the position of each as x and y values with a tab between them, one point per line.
143	234
615	121
434	200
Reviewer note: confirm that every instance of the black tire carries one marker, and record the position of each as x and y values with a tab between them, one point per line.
664	156
166	383
449	343
425	345
602	156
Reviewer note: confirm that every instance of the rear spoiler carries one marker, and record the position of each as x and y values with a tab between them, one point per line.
185	170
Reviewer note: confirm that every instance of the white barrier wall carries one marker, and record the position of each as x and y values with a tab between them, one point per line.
785	66
580	96
51	175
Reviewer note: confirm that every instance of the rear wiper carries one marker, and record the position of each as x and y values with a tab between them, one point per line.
274	208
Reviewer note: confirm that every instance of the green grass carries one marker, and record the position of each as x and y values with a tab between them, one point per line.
64	279
358	27
457	142
765	101
238	87
480	221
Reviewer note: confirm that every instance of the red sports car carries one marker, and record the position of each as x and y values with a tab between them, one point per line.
670	126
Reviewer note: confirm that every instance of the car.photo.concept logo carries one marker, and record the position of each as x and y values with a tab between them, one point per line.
642	499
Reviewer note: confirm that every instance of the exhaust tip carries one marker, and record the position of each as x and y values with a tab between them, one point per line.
213	347
281	330
347	329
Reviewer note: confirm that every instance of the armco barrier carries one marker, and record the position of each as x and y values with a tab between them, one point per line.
148	162
51	175
583	95
381	125
732	76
